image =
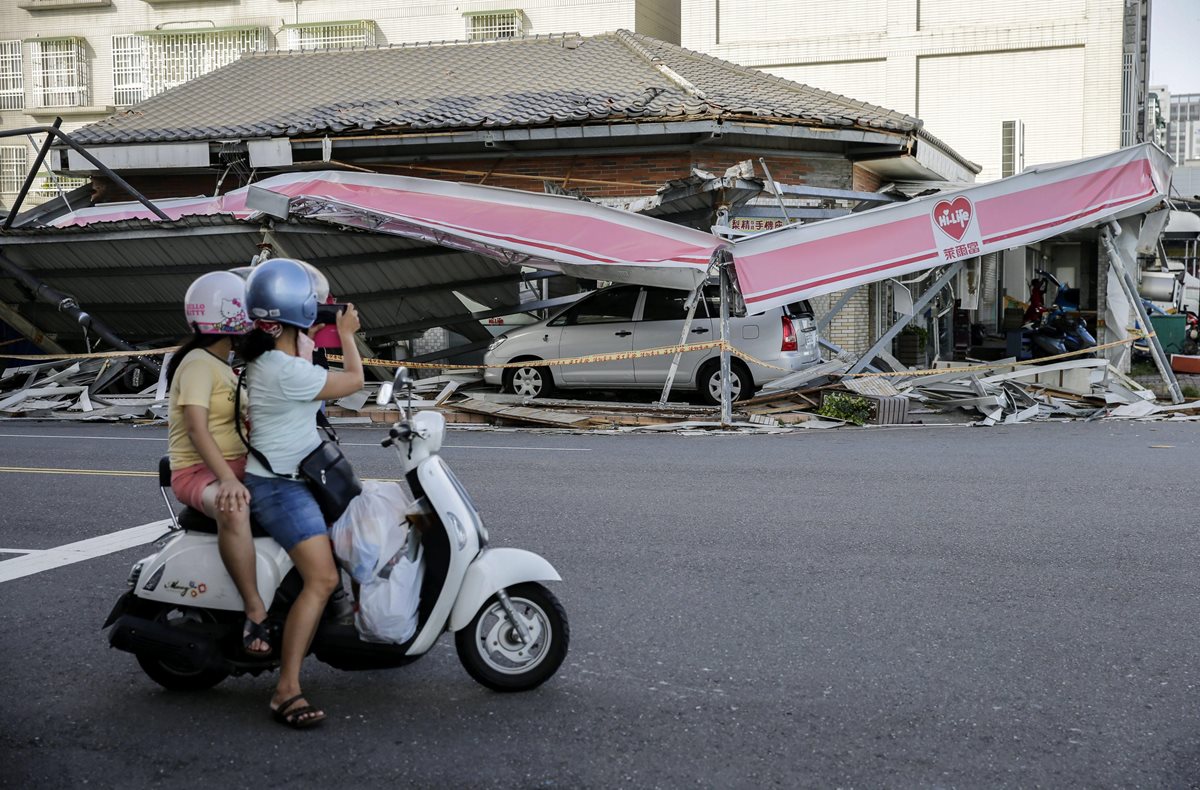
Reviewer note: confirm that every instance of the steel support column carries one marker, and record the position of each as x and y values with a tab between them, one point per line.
1119	264
882	343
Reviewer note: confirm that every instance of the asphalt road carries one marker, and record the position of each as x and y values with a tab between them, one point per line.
911	607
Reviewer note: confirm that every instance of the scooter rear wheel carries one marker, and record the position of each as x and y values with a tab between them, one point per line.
178	676
491	650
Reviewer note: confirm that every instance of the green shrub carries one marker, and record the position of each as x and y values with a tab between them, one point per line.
845	406
1191	392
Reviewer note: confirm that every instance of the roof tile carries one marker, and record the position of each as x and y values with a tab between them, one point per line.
517	83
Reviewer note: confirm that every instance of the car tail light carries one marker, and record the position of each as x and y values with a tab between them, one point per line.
789	335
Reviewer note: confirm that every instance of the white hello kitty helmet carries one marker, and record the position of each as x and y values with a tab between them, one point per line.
215	304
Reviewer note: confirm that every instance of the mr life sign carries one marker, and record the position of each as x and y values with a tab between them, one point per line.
954	218
803	261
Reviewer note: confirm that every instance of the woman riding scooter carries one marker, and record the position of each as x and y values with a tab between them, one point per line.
208	460
285	390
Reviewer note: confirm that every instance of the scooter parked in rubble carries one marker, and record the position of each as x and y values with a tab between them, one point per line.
1057	329
182	616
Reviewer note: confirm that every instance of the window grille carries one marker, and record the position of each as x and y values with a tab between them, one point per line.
12	85
128	69
13	166
49	186
174	57
331	35
60	72
498	24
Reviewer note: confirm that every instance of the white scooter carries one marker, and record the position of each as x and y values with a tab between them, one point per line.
182	616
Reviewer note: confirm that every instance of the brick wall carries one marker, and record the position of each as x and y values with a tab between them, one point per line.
595	175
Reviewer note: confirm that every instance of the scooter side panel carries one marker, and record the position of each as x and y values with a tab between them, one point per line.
189	572
495	569
449	504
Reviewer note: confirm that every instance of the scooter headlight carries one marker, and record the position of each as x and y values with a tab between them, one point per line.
459	530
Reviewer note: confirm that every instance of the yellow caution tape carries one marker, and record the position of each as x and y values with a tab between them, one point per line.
1137	335
151	352
615	356
611	356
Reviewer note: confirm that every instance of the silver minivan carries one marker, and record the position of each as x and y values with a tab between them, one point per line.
633	318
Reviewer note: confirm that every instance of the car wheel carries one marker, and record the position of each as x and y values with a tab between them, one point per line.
529	382
708	382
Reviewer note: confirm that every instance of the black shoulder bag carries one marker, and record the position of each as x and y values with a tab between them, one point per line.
326	470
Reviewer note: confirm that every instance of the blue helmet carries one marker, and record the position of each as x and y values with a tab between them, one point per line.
283	290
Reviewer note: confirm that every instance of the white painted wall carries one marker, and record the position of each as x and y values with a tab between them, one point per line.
962	67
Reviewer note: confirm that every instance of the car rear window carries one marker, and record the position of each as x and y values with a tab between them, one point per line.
801	309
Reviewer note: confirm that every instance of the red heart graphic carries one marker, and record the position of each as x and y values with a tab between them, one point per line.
953	217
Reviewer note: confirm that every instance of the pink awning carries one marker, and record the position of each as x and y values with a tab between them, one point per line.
588	240
554	232
803	261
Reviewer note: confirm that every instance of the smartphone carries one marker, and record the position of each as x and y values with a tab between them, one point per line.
328	313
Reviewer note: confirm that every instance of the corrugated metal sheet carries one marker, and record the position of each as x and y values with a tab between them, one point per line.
133	275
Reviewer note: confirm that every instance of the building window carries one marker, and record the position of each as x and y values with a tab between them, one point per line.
59	70
128	69
175	56
52	186
495	24
13	167
330	35
12	85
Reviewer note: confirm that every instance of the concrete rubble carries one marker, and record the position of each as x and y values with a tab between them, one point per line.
981	394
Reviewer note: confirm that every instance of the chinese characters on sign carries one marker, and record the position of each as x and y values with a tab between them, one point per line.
968	250
754	224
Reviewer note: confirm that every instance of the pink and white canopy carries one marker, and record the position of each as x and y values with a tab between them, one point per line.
553	232
802	261
792	263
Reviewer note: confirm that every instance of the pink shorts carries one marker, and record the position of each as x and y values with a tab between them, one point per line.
189	483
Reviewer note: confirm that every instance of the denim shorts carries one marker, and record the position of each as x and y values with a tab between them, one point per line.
285	509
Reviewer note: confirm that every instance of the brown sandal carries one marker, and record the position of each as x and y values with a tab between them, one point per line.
297	718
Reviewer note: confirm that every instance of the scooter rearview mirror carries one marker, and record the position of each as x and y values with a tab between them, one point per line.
384	397
403	377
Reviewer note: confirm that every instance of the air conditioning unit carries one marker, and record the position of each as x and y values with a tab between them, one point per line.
1012	147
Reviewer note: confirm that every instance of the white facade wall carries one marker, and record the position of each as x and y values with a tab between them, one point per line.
396	22
962	67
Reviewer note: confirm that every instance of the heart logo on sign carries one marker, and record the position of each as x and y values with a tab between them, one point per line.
952	217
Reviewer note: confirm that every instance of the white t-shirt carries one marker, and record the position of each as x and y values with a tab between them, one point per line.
283	411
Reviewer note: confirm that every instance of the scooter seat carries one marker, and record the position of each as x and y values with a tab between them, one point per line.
194	521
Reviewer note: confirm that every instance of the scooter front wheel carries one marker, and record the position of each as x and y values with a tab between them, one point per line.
491	648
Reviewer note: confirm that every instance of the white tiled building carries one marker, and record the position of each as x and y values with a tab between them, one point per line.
1007	83
83	59
1070	73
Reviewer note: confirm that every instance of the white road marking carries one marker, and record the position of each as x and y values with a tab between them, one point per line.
344	444
89	438
79	551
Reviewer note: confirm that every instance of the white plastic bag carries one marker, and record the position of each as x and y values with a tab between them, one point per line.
387	605
373	521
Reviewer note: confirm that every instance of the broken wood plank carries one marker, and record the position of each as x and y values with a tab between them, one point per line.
519	413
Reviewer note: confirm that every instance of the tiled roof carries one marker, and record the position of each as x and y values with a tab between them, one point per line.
541	81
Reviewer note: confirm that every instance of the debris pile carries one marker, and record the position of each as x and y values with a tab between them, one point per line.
89	389
822	396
